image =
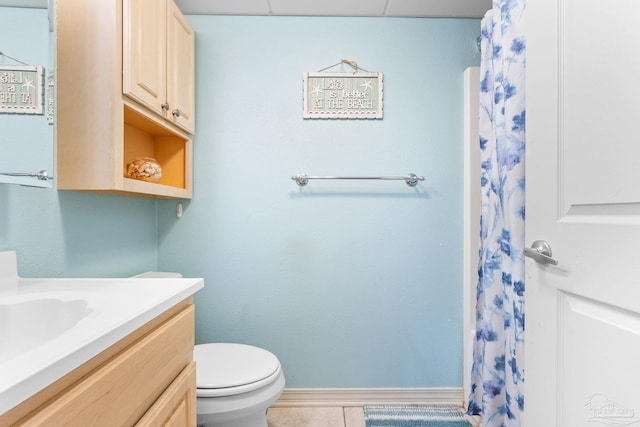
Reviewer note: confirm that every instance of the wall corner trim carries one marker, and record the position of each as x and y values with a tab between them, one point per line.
299	397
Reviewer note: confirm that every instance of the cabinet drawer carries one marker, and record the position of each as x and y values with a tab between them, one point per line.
119	392
177	405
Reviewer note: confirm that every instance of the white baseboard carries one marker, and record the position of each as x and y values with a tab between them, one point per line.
299	397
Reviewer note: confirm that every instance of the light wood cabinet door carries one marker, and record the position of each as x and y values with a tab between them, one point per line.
159	59
180	69
145	53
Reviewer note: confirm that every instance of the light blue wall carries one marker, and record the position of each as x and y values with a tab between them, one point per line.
351	284
62	234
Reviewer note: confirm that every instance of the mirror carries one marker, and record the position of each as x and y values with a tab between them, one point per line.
26	140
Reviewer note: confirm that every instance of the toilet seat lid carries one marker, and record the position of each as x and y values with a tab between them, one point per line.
225	365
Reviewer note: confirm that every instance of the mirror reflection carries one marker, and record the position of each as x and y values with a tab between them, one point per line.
26	140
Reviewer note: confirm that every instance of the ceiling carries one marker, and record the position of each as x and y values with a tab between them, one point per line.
413	8
397	8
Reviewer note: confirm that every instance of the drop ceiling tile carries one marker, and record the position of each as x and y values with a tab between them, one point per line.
328	7
444	8
224	7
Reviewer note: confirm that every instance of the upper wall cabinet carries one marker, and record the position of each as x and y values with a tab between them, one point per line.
118	63
159	60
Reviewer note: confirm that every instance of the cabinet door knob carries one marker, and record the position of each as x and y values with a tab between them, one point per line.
176	113
165	106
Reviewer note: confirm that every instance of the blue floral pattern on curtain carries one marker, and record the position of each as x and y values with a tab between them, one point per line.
497	381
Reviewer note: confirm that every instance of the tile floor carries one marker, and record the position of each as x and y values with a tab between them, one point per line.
321	417
315	417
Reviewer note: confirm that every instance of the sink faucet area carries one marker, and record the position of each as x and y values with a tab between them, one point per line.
49	327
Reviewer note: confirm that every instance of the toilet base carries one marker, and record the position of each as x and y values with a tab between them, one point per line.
242	410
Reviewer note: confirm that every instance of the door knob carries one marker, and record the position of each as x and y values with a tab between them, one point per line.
540	251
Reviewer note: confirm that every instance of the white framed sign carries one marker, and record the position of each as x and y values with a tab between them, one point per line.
342	95
21	89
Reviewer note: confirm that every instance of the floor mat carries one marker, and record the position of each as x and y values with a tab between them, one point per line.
414	416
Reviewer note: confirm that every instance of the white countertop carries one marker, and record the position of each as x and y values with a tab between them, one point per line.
114	308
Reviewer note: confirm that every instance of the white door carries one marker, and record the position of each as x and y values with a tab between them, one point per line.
583	198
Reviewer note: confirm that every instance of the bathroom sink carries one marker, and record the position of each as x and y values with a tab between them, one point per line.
29	321
51	326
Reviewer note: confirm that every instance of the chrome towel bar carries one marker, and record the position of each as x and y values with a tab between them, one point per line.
411	179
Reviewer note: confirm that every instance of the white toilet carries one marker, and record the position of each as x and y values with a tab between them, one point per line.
236	383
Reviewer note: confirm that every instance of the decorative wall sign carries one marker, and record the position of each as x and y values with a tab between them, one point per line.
343	95
21	89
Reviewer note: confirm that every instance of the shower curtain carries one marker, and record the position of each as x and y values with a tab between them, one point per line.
497	377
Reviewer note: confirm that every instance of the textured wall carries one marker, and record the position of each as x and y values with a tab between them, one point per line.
351	284
61	234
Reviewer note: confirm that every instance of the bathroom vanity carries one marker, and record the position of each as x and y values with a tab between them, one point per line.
115	351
